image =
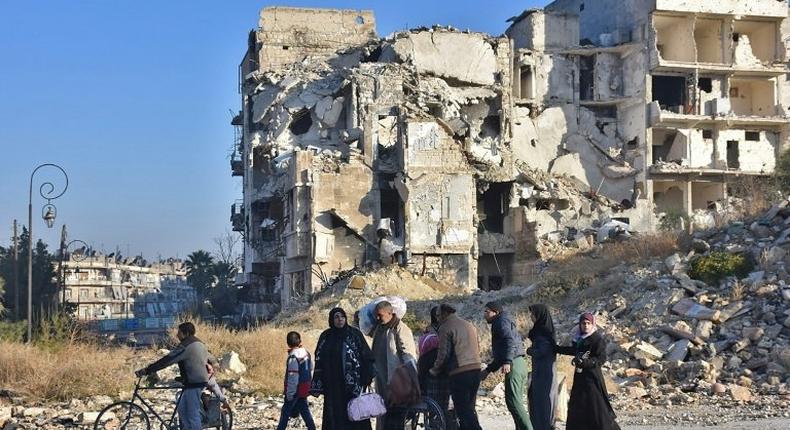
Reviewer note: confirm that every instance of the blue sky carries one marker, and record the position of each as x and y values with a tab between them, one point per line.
134	98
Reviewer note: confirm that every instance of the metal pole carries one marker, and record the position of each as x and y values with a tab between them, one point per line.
30	263
49	194
60	269
16	274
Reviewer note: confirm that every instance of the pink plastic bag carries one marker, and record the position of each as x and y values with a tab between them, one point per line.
366	406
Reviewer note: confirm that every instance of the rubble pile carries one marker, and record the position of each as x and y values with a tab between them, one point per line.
675	340
355	291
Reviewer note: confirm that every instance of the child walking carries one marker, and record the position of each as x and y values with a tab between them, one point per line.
298	371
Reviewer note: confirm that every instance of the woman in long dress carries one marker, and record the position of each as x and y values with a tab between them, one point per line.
541	394
343	368
589	407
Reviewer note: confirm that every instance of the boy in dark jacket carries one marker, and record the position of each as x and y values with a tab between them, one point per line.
298	376
507	347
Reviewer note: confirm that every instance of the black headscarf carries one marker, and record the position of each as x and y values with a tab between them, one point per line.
435	318
332	314
543	324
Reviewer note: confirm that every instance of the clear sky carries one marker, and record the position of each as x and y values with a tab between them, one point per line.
134	99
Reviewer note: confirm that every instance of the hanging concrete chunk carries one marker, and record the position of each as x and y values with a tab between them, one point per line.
465	57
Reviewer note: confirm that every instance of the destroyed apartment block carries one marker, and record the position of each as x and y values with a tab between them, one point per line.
459	155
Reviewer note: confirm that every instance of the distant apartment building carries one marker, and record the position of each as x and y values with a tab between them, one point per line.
107	288
458	155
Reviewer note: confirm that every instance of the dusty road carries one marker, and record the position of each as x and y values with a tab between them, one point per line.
500	422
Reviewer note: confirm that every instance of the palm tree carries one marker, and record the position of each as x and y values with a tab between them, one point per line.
223	295
200	272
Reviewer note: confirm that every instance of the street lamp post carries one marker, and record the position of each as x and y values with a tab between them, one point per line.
76	256
48	214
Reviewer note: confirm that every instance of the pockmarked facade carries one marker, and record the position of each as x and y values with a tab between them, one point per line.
459	155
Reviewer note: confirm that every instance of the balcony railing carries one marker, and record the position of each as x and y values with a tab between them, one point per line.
237	218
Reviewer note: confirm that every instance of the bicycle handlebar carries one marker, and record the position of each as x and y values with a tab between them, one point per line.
156	387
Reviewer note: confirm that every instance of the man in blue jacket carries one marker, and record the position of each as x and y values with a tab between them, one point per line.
507	349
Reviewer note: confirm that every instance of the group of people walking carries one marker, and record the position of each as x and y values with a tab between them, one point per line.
445	364
448	366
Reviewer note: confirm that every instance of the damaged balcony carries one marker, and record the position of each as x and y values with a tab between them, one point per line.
237	218
686	197
236	166
683	43
753	97
690	100
681	153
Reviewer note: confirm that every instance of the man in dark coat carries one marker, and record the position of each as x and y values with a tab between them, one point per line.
507	347
589	407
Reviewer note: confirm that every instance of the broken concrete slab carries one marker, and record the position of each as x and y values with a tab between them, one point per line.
466	57
691	309
678	350
645	350
262	101
328	110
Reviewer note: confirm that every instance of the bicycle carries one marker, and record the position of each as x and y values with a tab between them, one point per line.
129	415
426	414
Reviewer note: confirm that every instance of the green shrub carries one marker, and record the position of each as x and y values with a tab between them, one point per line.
673	220
416	324
554	286
782	172
716	266
13	331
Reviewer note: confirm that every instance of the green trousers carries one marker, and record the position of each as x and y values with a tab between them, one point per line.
514	393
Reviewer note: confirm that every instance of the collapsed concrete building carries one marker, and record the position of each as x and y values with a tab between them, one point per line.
456	154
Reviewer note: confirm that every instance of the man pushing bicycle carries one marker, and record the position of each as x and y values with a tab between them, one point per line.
191	355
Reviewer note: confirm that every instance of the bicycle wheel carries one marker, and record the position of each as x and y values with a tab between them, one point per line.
122	416
425	415
226	419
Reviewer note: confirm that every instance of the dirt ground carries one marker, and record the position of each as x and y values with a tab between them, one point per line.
503	422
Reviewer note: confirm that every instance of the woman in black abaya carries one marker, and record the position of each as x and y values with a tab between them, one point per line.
343	368
541	394
589	407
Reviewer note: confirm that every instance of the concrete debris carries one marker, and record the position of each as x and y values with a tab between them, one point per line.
740	393
681	343
689	308
230	362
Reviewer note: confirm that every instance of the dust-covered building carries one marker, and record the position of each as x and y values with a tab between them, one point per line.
463	156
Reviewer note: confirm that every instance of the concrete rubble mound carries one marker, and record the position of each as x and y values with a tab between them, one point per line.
678	340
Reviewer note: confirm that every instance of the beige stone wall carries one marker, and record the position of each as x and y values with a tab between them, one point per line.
350	192
287	35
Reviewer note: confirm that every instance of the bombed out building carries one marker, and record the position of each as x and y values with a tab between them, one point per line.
458	154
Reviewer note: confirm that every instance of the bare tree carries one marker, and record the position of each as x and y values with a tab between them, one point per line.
226	251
